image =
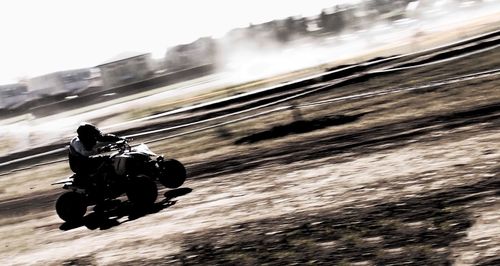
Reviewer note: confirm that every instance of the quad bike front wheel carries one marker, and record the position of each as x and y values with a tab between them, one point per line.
172	174
71	206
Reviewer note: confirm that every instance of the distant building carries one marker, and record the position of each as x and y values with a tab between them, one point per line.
267	34
390	9
68	82
126	68
198	53
264	31
238	34
290	28
13	95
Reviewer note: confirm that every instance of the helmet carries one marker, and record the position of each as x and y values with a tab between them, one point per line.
88	134
87	130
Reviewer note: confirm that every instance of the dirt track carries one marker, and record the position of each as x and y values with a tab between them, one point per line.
412	178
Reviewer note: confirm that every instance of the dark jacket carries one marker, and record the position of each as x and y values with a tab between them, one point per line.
86	160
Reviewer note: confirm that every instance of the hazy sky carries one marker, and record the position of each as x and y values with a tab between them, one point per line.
39	37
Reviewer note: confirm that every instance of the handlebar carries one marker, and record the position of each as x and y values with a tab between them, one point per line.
121	145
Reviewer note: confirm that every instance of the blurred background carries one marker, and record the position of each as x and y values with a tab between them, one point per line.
65	62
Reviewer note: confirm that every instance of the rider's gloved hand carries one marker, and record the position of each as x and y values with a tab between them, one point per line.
104	149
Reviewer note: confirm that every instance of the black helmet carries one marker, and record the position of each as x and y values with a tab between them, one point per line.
87	130
88	134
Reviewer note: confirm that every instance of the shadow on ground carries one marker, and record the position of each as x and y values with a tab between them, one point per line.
299	126
111	217
413	231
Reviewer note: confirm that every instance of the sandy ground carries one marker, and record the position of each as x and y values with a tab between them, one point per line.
414	180
270	202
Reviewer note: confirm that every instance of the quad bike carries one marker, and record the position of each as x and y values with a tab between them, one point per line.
132	171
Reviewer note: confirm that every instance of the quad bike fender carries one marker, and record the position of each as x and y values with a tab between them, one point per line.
65	181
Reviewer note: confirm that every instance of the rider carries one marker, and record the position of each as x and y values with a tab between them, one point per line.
84	149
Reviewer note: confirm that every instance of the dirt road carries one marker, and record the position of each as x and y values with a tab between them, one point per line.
408	178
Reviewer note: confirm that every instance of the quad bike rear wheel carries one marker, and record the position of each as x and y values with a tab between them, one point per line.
71	206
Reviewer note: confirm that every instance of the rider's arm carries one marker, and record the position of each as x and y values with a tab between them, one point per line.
104	140
108	138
